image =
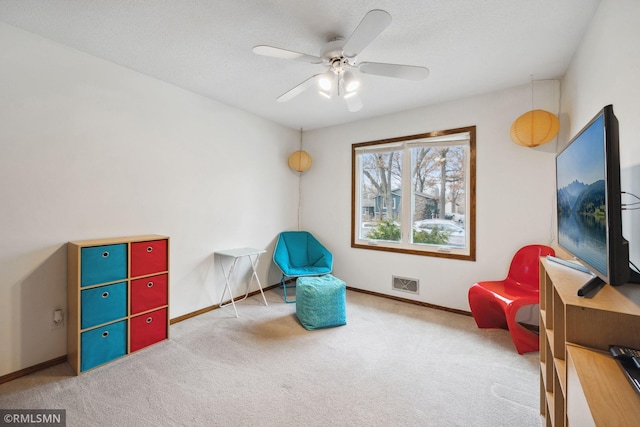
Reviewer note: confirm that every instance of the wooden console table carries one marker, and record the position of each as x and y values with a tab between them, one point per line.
580	383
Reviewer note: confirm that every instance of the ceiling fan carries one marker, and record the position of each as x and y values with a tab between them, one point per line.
340	56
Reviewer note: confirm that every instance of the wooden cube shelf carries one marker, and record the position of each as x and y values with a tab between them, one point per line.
580	383
118	298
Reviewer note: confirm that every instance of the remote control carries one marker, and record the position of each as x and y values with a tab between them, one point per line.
626	354
620	352
573	265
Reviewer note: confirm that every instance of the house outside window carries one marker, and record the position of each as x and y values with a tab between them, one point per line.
428	181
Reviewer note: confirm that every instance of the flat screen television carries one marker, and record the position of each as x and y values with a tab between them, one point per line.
589	205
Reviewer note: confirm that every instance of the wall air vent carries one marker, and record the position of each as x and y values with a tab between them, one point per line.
405	284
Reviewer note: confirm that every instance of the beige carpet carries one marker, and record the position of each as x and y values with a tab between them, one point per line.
393	364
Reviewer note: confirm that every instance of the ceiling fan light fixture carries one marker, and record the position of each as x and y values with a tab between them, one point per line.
326	81
340	55
350	82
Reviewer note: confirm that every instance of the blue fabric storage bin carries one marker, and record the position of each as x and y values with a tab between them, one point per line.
321	302
102	264
103	304
103	344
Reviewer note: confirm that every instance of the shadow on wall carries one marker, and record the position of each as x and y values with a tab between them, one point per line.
274	273
40	293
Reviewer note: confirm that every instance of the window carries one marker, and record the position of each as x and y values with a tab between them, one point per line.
416	194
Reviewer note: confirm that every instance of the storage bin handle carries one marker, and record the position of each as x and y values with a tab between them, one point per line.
149	248
149	319
105	334
105	294
105	254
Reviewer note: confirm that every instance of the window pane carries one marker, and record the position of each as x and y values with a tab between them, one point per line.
380	195
439	199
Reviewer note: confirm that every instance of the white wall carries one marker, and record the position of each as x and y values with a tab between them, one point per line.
514	187
606	70
89	149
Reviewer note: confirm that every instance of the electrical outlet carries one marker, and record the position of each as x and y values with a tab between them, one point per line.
58	319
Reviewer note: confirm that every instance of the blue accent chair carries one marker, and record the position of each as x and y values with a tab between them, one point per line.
299	254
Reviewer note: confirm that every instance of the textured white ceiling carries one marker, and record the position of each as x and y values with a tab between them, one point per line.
470	46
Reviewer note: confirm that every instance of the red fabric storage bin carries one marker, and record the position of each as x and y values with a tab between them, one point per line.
148	293
148	257
148	329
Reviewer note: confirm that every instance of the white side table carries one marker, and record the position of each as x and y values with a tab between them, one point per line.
236	254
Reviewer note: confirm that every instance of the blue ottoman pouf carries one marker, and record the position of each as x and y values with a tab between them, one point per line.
321	302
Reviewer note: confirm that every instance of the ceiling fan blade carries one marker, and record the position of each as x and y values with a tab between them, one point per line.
373	23
292	93
354	103
276	52
408	72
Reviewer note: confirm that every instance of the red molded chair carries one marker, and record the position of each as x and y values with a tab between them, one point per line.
494	304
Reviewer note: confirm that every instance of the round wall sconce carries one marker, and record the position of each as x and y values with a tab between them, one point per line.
535	128
300	161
